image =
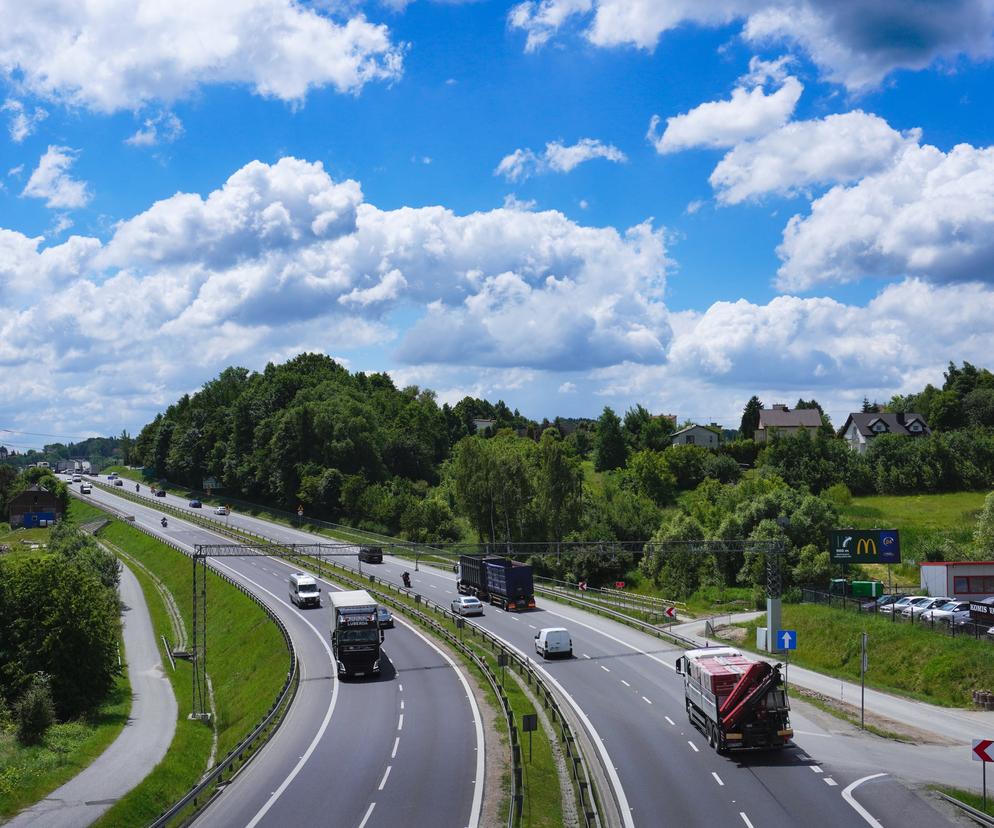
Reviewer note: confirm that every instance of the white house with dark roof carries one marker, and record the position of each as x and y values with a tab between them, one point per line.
862	427
696	435
783	420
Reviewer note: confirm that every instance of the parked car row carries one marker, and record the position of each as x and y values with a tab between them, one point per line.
927	609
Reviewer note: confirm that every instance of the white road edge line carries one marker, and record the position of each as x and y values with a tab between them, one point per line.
369	813
848	797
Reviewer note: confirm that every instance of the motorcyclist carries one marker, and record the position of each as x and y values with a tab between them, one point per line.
138	487
406	578
165	523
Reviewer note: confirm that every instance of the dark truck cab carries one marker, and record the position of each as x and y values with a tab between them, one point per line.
355	633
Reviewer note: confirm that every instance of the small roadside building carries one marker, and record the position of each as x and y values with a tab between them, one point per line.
34	507
958	579
696	435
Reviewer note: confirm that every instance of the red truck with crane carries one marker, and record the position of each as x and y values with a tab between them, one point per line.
734	700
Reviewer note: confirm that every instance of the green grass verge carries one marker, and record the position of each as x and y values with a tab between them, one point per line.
909	660
246	659
28	774
974	800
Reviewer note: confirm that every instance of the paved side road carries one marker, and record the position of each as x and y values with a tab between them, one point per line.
138	748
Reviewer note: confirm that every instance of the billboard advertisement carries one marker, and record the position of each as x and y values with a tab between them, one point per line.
864	546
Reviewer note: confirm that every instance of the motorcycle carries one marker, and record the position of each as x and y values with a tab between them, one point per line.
406	578
165	523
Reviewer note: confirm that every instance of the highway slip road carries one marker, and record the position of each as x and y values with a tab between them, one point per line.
404	749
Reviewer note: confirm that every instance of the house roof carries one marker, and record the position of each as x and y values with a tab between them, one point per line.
785	418
692	427
896	423
956	563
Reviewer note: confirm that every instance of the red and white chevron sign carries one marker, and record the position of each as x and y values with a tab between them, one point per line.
670	612
980	750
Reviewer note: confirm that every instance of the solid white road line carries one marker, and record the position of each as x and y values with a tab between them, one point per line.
745	819
717	779
365	819
848	797
695	748
386	775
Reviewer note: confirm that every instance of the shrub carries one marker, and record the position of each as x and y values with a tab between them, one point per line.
35	711
838	495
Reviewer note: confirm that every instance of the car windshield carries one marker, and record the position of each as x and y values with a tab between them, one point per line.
921	602
307	589
949	605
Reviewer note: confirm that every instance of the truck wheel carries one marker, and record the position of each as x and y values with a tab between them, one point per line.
712	736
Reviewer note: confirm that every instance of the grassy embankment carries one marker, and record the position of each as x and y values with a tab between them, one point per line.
909	660
248	664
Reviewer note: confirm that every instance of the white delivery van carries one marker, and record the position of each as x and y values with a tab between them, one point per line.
553	641
84	488
304	590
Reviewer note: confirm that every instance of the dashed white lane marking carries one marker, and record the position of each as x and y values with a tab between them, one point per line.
816	769
693	746
585	655
605	669
848	797
830	781
625	683
386	775
745	819
400	723
369	813
670	720
646	700
396	744
515	618
400	687
401	704
533	626
717	779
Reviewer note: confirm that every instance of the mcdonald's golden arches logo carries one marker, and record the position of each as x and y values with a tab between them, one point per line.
866	547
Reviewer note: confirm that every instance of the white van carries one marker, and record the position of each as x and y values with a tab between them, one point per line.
553	641
84	488
304	590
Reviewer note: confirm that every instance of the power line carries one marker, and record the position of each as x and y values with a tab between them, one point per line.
39	434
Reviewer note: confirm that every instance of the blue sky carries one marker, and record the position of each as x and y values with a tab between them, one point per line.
562	203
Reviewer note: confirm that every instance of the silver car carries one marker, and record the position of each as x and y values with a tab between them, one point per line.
916	608
467	605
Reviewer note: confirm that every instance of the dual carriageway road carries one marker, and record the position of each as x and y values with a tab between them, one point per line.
623	686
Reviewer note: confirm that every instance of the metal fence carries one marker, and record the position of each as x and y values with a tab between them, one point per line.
869	606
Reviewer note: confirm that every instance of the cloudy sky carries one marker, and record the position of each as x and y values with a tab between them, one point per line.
562	203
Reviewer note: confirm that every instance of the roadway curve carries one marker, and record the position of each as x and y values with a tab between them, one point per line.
353	753
624	683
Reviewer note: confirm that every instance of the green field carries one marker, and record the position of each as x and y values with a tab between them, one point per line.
954	515
909	660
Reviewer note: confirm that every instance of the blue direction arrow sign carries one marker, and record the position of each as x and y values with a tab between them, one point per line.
787	639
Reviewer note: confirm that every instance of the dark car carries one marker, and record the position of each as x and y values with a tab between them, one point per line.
370	554
160	492
118	481
195	504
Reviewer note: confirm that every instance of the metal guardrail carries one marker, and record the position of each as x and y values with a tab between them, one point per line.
246	749
978	816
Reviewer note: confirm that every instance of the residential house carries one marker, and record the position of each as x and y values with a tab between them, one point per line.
784	421
481	425
696	435
860	428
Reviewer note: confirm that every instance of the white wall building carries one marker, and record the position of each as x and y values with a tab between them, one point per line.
958	579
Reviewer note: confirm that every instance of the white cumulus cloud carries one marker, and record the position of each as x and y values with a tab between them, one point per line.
52	181
158	129
750	113
930	214
121	54
855	43
22	121
828	150
557	157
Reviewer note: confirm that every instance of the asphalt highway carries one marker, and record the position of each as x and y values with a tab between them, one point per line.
351	753
623	684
